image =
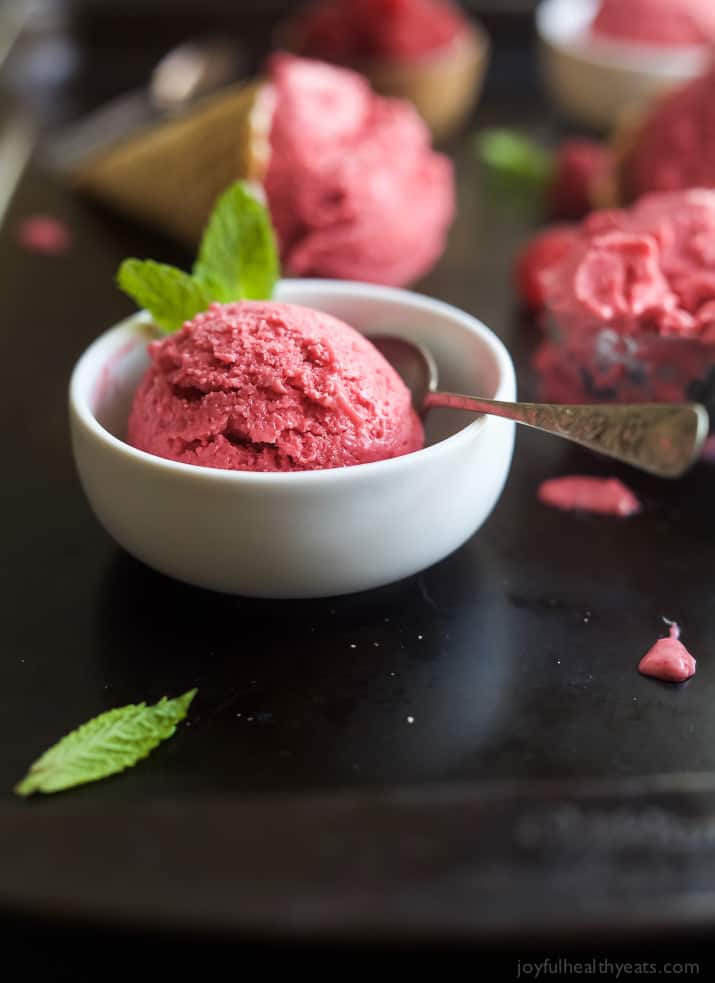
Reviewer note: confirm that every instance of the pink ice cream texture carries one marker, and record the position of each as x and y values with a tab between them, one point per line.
267	386
675	146
668	659
350	30
665	22
649	269
354	188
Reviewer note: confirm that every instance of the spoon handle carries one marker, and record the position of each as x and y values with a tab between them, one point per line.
661	438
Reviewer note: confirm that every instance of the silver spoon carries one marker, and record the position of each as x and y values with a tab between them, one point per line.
661	438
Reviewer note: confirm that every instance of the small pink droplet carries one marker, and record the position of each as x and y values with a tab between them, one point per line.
604	496
668	659
44	234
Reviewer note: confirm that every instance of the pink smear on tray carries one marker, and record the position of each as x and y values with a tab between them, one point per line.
708	451
669	659
604	496
44	234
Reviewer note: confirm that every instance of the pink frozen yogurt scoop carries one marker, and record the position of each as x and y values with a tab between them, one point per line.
265	386
629	302
649	269
668	659
674	147
663	22
354	188
345	30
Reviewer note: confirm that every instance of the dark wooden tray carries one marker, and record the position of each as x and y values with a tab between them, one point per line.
544	787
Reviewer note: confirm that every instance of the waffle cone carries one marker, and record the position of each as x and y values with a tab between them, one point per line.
170	174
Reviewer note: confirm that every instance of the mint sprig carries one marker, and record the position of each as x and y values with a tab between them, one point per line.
170	295
105	745
238	260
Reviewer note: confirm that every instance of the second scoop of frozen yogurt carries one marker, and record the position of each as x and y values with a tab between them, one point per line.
354	187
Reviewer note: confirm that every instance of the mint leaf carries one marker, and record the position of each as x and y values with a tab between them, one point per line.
517	169
170	295
105	745
238	258
511	154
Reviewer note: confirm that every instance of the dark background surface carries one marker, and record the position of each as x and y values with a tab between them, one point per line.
545	792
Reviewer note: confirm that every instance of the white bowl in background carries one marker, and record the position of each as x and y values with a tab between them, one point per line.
310	533
593	80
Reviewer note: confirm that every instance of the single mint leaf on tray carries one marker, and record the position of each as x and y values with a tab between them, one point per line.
105	745
238	258
170	295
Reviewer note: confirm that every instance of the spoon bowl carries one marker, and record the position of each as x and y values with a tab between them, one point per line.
664	439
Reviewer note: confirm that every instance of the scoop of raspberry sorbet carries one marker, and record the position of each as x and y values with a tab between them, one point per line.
265	386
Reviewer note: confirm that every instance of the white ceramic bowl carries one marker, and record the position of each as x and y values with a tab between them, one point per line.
300	534
594	80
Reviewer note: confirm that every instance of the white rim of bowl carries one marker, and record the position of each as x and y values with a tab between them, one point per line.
79	404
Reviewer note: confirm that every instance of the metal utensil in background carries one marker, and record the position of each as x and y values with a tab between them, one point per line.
17	130
17	140
14	15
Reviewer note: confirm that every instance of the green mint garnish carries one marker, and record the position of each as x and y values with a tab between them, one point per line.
238	260
515	165
170	295
105	745
515	155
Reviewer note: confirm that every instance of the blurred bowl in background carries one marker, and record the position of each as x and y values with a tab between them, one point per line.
593	80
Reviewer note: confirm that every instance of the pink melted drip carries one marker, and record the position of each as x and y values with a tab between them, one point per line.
668	659
44	234
708	452
603	496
